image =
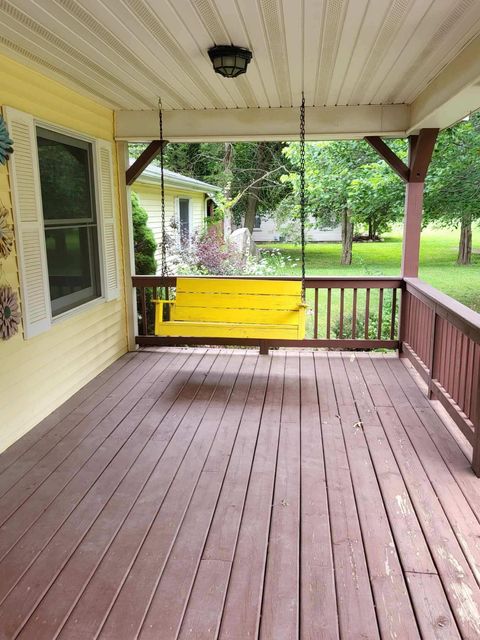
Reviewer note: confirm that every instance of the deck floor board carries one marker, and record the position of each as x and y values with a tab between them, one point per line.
214	493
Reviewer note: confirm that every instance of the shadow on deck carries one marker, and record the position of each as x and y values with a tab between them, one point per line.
194	493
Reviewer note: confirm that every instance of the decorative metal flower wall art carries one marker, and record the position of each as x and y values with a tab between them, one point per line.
6	143
9	313
6	234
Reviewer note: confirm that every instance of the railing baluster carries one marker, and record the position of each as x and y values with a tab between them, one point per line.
462	388
354	315
449	376
342	308
432	350
443	351
394	314
315	312
144	311
458	365
475	415
469	376
329	312
367	312
380	312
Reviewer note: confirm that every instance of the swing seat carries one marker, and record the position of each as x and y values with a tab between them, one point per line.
233	308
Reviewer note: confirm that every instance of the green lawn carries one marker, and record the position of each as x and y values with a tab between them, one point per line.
437	262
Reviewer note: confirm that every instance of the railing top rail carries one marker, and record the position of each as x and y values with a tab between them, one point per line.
463	317
388	282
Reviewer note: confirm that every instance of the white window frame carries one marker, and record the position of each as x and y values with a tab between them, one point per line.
104	185
190	215
40	124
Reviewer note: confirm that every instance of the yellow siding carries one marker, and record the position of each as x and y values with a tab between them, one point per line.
149	196
37	375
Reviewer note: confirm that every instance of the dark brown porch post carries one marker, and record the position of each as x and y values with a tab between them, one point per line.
420	150
412	228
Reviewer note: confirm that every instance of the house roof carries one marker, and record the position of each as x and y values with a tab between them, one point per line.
172	179
367	67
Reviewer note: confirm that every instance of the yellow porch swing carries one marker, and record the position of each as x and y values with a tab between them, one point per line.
209	307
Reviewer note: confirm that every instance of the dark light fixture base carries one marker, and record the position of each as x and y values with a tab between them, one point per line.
229	61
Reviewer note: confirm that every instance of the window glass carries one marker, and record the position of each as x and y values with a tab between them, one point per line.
184	213
65	176
71	233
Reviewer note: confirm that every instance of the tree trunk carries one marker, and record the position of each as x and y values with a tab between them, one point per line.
465	244
254	189
371	232
347	237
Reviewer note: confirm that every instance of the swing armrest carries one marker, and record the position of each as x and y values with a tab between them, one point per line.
302	317
159	312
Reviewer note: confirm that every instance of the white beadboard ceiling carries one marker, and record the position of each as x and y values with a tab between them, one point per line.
125	53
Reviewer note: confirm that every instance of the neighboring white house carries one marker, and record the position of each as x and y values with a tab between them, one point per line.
266	230
187	200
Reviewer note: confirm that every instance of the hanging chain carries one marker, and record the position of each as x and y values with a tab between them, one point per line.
164	269
302	190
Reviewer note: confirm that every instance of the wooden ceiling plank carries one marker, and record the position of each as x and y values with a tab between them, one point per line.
348	37
447	41
274	27
379	50
249	85
43	42
251	17
410	50
393	55
331	32
109	37
312	47
206	27
453	94
148	23
66	67
370	26
98	43
294	46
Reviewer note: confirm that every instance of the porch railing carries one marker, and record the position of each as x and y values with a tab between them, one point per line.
441	337
344	313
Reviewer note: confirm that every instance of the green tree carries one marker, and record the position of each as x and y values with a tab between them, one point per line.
143	240
452	189
377	197
347	183
247	172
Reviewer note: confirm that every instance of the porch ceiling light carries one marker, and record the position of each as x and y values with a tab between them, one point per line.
229	61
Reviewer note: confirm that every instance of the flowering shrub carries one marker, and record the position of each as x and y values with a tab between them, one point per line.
276	262
208	253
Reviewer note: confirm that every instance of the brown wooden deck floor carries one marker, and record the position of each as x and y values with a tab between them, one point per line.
213	493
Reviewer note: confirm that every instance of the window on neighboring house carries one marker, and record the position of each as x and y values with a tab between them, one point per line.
184	219
258	222
70	219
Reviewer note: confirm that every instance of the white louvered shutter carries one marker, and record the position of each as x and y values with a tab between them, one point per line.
108	219
29	229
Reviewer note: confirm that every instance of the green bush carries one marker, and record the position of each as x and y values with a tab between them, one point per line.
143	240
144	247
